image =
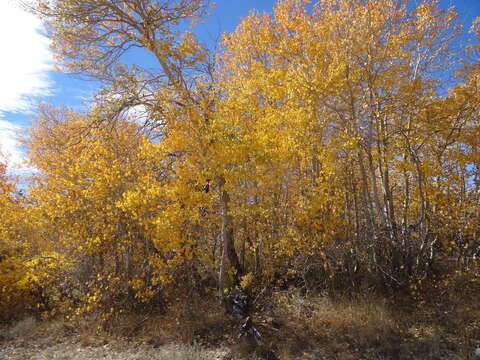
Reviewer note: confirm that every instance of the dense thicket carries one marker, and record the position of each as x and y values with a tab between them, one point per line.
333	146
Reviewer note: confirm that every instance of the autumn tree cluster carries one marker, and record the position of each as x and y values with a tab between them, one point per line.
329	145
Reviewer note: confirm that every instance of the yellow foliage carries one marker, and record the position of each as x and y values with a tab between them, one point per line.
322	142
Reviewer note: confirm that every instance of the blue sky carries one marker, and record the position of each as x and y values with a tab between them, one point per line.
26	64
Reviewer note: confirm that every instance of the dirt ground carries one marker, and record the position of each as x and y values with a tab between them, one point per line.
75	348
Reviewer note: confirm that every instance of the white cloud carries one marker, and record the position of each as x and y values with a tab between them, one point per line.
9	146
137	113
25	58
25	63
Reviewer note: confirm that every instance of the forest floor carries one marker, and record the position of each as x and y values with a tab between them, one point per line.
292	327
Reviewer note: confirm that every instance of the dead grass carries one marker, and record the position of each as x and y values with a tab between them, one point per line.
181	352
75	351
293	327
366	327
21	328
320	327
55	340
361	318
201	322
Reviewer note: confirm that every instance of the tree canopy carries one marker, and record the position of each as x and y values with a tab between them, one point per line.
337	145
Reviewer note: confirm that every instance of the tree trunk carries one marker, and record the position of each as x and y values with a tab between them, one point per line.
229	254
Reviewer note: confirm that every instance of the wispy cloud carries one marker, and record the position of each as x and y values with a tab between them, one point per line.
25	64
9	146
25	59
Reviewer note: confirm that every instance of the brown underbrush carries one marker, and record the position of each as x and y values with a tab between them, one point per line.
443	325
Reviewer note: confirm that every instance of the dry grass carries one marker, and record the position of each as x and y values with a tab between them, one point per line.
181	352
187	332
54	340
293	327
321	328
20	329
366	327
361	318
202	322
74	351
